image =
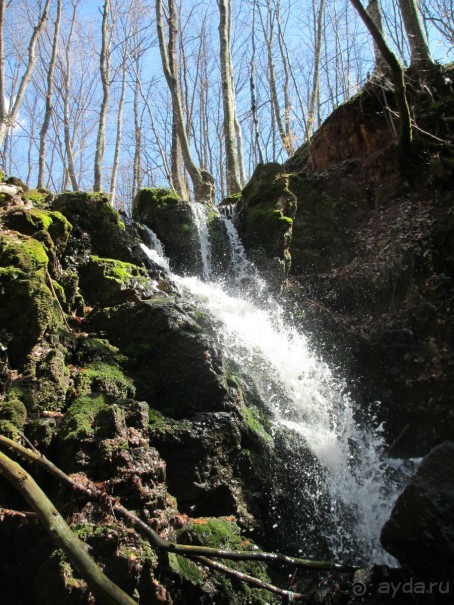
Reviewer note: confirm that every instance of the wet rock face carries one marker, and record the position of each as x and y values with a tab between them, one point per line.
265	214
178	367
170	217
420	531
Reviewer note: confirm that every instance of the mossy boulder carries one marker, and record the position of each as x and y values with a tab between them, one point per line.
28	309
264	218
176	366
35	220
52	382
97	226
14	411
170	217
106	378
223	533
108	282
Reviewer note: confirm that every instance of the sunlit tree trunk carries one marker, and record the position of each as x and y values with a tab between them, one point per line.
375	13
228	99
315	92
71	170
114	175
8	117
398	78
49	95
104	69
201	182
421	59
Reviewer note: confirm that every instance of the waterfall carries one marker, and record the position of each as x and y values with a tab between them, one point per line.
305	397
200	221
156	252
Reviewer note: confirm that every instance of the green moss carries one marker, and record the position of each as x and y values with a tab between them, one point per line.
78	422
8	429
98	349
159	197
14	411
224	534
252	421
216	532
185	568
106	378
119	270
36	197
25	253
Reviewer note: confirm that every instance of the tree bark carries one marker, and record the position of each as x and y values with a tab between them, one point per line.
202	182
104	70
56	527
66	109
398	78
315	92
228	99
49	95
375	13
421	59
8	118
113	178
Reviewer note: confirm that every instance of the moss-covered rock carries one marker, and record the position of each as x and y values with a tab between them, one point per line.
319	237
50	388
28	309
97	226
265	214
34	220
78	421
14	411
170	217
106	378
225	534
109	282
177	367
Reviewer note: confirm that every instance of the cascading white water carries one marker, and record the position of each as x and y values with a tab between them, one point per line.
156	253
304	396
200	221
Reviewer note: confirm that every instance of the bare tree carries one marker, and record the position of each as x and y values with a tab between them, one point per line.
104	70
228	98
8	116
48	100
201	182
315	93
397	74
421	59
375	13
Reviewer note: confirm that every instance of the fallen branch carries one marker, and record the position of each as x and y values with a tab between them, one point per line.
244	577
55	525
91	491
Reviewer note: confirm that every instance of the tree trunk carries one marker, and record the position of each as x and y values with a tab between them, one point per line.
61	534
398	78
104	68
228	99
421	59
8	118
66	109
315	93
202	182
113	178
49	95
175	150
375	13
